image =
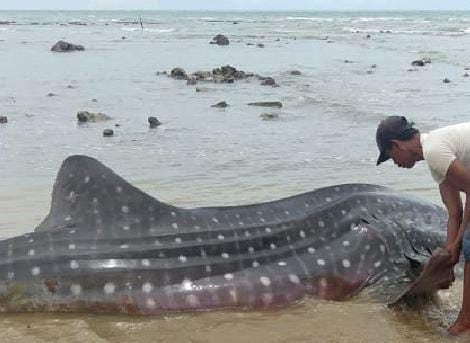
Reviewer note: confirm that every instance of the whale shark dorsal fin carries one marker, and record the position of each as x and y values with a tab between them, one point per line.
88	195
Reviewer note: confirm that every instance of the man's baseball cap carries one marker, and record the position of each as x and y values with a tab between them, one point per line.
392	127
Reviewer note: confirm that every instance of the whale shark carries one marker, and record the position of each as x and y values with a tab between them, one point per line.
108	247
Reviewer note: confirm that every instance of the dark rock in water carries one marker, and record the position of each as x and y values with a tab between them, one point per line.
51	94
418	63
123	37
117	125
269	116
268	81
154	122
446	80
71	87
295	72
203	89
220	40
373	66
348	61
235	23
108	132
368	36
3	120
466	68
221	104
62	46
225	71
369	72
250	43
466	75
164	72
229	80
178	73
260	45
94	100
85	117
266	104
191	82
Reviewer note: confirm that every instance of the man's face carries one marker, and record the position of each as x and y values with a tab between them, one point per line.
401	156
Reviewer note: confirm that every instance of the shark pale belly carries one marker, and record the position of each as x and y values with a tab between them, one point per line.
108	247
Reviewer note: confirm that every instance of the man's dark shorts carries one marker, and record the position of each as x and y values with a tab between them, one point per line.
466	244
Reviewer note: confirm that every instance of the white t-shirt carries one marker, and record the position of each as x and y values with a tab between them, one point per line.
444	145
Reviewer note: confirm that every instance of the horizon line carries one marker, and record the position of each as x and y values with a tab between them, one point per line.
240	10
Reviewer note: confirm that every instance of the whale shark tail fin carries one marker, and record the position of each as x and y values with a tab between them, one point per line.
88	195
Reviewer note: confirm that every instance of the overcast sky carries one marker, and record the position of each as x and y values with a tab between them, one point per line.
237	4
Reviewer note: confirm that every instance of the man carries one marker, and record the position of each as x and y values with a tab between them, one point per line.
447	152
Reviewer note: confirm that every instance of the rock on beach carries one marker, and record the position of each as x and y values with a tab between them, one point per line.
266	104
85	117
62	46
3	120
154	122
220	40
221	104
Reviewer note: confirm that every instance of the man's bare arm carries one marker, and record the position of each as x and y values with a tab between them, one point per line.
451	198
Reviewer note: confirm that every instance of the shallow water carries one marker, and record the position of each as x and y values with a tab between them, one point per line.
203	156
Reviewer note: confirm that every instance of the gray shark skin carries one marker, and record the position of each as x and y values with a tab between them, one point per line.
107	247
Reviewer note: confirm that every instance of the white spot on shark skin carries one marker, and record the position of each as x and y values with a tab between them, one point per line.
367	247
10	275
247	234
208	269
182	258
323	283
282	264
150	303
228	276
192	300
225	255
382	248
203	253
265	281
109	288
377	264
125	209
221	237
174	225
255	264
272	246
145	262
233	295
68	218
302	234
126	228
237	215
124	246
72	246
35	271
199	239
157	242
267	229
241	223
261	219
321	262
328	199
31	252
186	285
251	250
73	264
215	220
178	240
346	263
147	287
75	289
346	243
173	214
321	223
118	189
294	279
311	250
343	212
287	212
86	180
306	205
197	227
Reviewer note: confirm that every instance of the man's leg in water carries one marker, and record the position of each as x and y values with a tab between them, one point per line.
462	323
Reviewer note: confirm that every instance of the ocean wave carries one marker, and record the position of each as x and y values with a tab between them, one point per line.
146	29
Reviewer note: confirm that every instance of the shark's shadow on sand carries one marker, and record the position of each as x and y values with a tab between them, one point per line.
108	247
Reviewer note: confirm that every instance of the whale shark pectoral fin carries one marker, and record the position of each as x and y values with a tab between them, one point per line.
437	274
87	193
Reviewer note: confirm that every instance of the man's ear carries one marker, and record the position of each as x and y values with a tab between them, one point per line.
395	143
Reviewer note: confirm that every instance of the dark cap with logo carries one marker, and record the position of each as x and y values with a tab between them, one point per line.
391	128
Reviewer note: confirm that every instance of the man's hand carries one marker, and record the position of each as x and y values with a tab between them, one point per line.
454	252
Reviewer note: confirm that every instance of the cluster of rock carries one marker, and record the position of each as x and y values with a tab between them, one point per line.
220	40
62	46
224	74
3	120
